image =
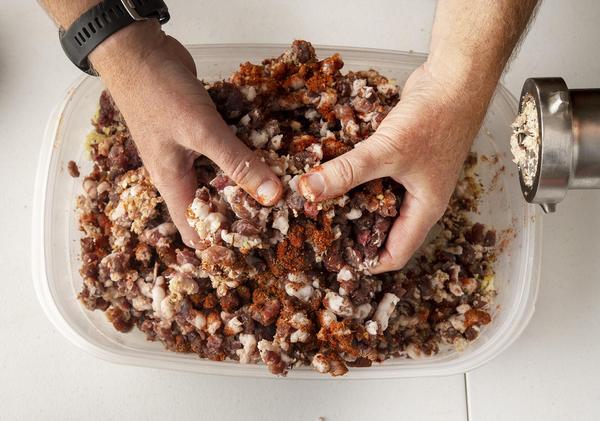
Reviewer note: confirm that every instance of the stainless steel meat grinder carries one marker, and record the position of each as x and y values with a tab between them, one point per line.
569	147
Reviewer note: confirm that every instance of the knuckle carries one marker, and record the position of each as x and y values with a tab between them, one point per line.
392	263
345	170
367	156
390	147
387	137
169	168
397	265
160	175
240	168
401	141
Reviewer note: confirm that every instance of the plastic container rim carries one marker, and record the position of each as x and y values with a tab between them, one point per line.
525	303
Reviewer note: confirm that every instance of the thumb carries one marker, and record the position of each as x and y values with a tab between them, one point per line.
336	177
215	140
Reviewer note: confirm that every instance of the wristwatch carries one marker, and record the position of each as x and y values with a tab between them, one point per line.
103	20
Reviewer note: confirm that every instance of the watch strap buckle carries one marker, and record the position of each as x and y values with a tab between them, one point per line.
138	15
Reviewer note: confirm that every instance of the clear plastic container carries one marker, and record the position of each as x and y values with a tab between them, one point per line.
55	234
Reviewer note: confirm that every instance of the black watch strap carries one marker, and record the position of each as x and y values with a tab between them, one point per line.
103	20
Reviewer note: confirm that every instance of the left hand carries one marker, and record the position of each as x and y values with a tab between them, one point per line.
422	144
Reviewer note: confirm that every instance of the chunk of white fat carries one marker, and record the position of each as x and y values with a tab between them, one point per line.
385	309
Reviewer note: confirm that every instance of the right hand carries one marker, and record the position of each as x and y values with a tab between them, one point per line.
422	144
172	120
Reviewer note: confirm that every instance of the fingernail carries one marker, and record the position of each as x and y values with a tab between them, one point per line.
314	186
267	191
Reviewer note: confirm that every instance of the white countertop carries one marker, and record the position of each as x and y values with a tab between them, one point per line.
550	373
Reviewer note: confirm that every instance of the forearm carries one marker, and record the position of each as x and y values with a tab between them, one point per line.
473	40
64	12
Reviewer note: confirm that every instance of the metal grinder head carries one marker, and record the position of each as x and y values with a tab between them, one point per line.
569	147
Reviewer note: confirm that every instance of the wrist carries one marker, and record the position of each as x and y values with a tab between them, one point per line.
124	51
462	71
467	79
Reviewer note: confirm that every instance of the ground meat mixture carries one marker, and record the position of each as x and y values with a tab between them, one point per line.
73	169
287	285
525	140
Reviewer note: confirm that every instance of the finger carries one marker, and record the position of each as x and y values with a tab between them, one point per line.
336	177
408	232
178	188
241	164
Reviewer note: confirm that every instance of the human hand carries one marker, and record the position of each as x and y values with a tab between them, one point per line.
421	144
172	120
